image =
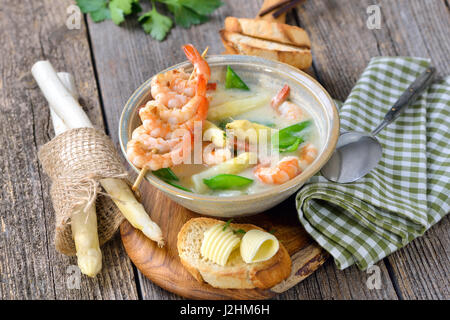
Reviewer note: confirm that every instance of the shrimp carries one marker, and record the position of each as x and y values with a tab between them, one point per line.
216	155
152	122
160	121
288	110
143	153
308	154
189	110
285	170
201	114
172	88
280	97
183	86
201	67
161	140
159	145
172	99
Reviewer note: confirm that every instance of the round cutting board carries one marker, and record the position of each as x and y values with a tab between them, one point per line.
163	266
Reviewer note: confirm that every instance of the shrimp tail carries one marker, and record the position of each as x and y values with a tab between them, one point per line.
281	96
191	53
200	64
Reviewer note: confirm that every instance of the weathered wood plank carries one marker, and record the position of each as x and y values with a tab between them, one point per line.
421	269
342	47
330	283
420	28
30	268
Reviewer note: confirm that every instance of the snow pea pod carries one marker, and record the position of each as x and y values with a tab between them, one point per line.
227	181
291	137
232	80
166	174
177	186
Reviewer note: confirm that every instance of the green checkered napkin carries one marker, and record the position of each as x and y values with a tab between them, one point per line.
408	192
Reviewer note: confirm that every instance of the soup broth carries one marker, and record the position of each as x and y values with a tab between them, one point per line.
264	114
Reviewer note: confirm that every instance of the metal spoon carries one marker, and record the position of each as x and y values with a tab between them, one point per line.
357	153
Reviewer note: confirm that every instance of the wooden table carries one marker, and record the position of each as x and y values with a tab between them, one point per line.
109	62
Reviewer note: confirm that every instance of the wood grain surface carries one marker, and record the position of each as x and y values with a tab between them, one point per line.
109	62
30	268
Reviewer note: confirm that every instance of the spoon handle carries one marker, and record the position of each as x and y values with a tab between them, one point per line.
407	98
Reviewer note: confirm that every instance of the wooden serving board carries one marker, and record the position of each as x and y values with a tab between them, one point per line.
163	266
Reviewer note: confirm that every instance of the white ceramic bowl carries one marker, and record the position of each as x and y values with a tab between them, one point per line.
255	70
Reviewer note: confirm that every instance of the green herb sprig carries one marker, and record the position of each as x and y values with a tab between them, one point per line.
241	231
185	13
227	225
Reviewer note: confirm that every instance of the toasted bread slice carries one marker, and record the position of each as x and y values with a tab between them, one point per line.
236	43
268	30
236	274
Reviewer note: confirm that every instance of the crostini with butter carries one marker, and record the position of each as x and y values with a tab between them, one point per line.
212	251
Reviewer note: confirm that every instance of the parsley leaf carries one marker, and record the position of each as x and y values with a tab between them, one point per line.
96	8
227	224
184	16
185	13
241	231
203	7
156	24
190	12
120	8
101	14
90	5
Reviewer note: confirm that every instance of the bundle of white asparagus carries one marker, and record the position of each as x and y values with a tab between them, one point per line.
66	113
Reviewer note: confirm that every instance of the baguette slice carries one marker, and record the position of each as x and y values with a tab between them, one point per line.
236	274
268	30
236	43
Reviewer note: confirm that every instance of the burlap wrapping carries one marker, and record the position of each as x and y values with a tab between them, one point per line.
75	161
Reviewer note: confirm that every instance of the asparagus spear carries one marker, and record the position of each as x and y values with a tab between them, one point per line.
85	236
83	223
67	114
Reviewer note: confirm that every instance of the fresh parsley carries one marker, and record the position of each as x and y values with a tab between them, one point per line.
241	231
98	9
185	13
121	8
227	224
156	24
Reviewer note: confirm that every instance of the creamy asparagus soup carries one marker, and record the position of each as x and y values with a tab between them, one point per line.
219	133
